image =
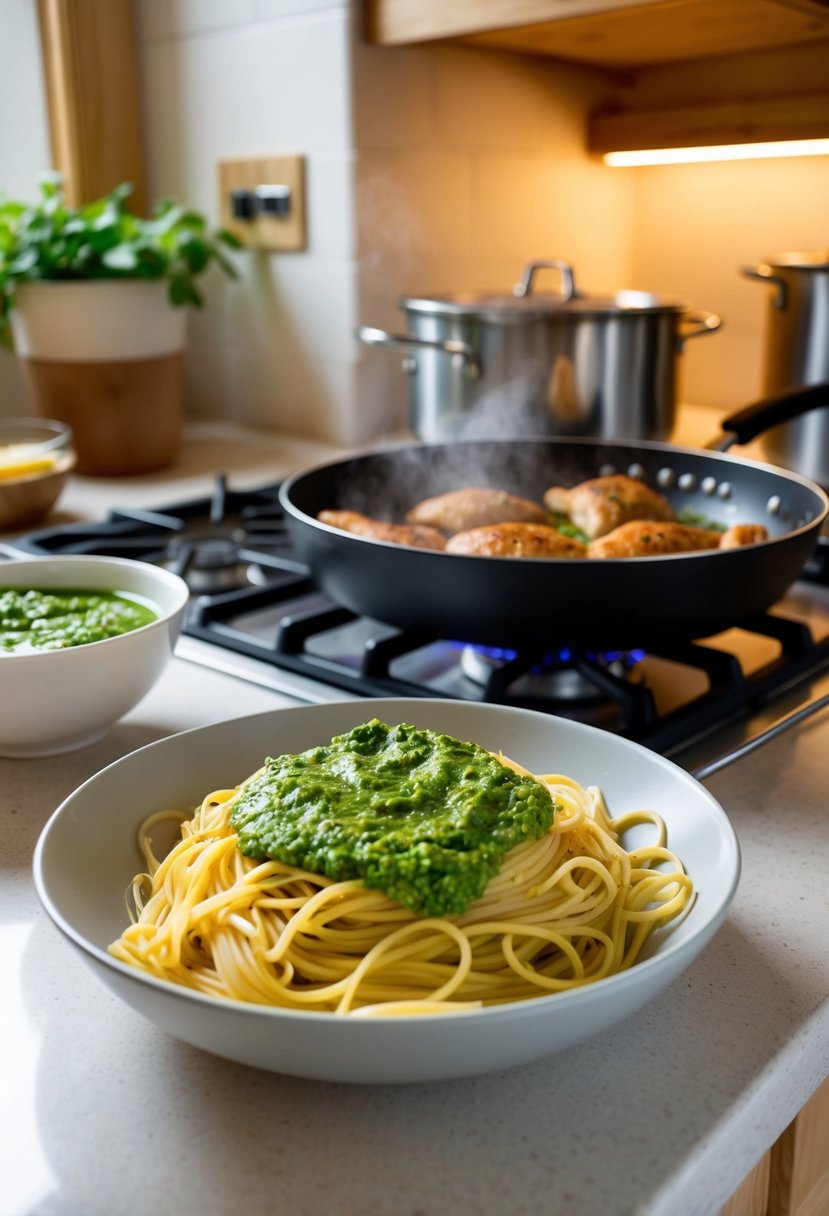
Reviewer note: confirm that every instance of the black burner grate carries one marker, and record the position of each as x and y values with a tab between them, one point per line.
371	671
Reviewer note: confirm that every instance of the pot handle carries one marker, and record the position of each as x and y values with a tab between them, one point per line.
699	322
524	286
752	421
461	353
766	275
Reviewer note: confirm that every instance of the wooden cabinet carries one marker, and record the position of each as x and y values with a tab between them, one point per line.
752	1196
604	33
679	72
799	1173
793	1177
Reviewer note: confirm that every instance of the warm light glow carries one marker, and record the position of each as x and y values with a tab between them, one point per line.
682	156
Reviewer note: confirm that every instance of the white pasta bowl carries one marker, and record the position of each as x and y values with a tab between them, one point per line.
55	701
87	855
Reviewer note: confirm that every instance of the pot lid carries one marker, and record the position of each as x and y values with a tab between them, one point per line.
524	303
504	307
817	259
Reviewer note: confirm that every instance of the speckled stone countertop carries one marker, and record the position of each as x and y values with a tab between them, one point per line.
103	1115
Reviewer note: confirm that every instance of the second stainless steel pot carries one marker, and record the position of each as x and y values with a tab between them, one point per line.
797	353
530	364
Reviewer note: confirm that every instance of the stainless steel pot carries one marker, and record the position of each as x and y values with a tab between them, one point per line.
797	353
488	366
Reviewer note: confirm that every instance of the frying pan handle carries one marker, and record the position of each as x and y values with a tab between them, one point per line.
698	322
460	352
766	275
524	286
752	421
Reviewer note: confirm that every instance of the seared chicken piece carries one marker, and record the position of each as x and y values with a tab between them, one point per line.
743	534
380	529
601	504
515	540
473	508
646	538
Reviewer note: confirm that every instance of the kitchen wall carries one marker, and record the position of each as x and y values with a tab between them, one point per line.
470	164
429	168
24	144
695	226
228	78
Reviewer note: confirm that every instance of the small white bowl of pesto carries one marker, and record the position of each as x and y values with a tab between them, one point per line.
82	640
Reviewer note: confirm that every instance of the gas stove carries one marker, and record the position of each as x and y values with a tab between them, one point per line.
257	614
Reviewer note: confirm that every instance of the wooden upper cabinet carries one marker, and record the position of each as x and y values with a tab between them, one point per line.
609	34
679	73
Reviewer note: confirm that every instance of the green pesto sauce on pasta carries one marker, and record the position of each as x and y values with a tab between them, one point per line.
57	618
421	816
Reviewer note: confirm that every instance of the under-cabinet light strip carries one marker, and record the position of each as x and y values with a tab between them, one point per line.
681	156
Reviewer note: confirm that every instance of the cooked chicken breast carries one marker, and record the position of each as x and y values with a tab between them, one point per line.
380	529
743	534
515	540
474	507
603	503
648	538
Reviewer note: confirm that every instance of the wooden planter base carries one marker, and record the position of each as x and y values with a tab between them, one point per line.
125	415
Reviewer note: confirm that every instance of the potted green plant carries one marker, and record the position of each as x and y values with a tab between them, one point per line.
92	300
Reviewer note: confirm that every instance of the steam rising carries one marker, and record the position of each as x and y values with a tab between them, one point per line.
386	485
505	441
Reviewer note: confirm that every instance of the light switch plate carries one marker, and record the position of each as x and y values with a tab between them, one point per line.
279	233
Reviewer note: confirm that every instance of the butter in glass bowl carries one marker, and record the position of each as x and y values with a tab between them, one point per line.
36	456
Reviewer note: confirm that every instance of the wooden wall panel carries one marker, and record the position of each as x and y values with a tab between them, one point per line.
91	72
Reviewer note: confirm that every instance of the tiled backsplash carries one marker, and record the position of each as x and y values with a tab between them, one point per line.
429	168
224	80
434	168
470	165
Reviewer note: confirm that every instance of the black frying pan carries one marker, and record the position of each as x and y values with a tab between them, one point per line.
599	603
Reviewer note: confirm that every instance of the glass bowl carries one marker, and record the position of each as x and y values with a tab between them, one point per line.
36	455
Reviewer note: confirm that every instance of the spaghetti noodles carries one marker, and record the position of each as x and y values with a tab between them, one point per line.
566	910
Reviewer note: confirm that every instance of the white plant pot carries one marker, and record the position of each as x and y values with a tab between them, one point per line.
105	357
96	321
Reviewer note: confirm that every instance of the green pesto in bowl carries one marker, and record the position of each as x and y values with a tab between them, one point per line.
56	618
